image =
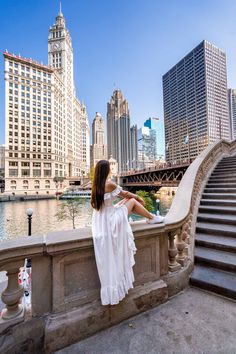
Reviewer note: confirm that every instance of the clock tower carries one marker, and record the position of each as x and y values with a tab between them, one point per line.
60	51
60	58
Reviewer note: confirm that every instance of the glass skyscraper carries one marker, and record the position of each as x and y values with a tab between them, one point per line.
156	124
195	102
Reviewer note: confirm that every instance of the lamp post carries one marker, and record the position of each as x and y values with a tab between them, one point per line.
29	213
158	206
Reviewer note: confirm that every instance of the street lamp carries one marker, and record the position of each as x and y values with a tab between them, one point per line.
29	213
158	206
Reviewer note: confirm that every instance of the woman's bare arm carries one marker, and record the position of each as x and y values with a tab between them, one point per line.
110	186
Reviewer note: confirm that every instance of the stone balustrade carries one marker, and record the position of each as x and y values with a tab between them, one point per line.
65	302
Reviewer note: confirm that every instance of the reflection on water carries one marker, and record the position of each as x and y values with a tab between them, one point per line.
13	218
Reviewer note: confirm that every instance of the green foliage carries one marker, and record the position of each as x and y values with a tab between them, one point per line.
147	199
69	209
91	174
57	179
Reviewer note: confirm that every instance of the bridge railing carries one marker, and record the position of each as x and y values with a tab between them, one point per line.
65	304
157	167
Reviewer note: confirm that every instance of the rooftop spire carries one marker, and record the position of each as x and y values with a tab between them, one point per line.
60	12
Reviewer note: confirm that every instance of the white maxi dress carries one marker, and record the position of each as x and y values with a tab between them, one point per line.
114	249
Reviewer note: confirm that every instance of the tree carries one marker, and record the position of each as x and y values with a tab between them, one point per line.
91	173
69	209
147	199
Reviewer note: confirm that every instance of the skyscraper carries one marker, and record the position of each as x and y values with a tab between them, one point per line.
118	131
99	148
147	147
195	102
156	124
232	112
47	130
134	146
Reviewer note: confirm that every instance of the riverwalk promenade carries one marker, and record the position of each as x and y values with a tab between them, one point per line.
193	322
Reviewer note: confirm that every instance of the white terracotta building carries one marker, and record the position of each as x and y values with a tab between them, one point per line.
47	129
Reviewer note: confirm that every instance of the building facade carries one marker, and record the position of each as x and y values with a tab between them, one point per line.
147	149
47	129
2	168
134	146
157	125
195	102
118	131
99	148
232	112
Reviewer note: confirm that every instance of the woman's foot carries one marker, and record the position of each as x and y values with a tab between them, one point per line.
156	219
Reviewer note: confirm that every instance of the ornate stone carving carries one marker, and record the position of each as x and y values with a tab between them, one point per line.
172	252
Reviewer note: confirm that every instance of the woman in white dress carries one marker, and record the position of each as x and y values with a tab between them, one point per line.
112	235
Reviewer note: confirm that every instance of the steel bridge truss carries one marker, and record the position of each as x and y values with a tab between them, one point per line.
167	177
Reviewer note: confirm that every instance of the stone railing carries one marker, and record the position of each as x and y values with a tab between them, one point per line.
65	303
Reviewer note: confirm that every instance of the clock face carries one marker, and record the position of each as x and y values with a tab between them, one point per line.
56	46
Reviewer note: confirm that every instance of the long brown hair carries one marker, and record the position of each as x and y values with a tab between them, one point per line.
101	173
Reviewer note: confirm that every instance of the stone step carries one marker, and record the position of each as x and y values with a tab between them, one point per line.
219	196
227	162
215	258
227	244
215	229
217	218
215	280
229	158
216	209
218	202
219	190
224	169
220	185
222	179
224	174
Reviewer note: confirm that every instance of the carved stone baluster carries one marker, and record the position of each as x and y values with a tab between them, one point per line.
11	296
172	252
180	244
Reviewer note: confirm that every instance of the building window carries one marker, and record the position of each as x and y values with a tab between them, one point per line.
37	173
13	172
25	172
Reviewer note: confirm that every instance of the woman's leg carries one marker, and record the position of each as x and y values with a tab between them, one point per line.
135	207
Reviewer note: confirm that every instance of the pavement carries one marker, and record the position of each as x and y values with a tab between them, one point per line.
193	322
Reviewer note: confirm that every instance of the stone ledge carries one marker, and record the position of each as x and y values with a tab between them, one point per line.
26	337
67	328
178	281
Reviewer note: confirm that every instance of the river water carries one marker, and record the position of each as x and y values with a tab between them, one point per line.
13	218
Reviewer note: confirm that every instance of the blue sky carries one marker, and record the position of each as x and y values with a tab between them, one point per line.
125	44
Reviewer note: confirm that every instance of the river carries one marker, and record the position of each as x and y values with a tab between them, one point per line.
13	218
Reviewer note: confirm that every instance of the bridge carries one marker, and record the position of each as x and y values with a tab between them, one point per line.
164	175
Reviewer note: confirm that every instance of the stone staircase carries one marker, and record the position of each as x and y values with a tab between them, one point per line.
215	239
